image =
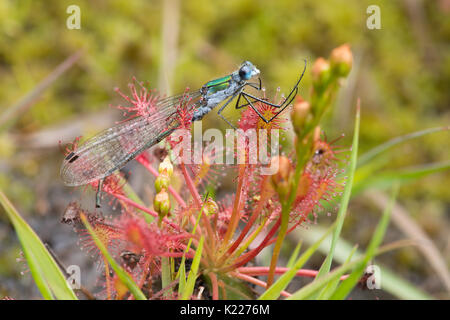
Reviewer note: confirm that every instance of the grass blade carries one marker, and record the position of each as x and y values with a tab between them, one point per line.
312	289
49	279
182	279
325	268
348	284
390	282
386	179
275	290
294	256
192	277
332	285
368	156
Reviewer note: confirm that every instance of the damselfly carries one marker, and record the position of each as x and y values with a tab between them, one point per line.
111	149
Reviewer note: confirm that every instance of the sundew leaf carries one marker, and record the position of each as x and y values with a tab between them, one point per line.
121	273
348	284
330	288
49	279
325	268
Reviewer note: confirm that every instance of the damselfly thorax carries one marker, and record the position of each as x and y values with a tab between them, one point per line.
112	148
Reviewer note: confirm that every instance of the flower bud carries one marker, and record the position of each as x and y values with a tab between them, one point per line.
166	167
281	179
303	186
341	60
320	72
162	182
161	204
211	207
299	114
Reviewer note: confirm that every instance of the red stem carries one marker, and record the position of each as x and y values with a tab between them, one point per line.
177	255
215	286
289	231
237	207
244	231
256	281
250	222
191	186
263	271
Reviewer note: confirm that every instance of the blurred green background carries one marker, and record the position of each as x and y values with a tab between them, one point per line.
401	72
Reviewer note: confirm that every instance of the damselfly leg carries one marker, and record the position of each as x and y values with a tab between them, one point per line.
251	99
257	86
98	195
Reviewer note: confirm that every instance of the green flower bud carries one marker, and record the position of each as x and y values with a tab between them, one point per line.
321	73
281	179
300	112
166	167
341	60
162	182
161	204
211	207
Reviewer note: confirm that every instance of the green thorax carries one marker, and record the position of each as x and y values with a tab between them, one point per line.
218	84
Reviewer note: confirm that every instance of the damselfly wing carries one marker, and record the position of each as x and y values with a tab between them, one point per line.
112	148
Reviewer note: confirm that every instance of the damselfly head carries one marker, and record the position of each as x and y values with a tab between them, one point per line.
248	70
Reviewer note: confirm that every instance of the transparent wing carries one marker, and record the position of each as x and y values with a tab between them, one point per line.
112	148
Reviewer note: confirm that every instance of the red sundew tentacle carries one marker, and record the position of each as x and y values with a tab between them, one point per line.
142	102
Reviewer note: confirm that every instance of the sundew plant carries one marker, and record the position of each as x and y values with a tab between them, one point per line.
189	242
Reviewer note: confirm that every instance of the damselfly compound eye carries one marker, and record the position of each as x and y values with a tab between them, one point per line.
245	73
